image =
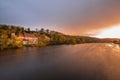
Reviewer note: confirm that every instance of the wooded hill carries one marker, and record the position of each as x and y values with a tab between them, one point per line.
16	37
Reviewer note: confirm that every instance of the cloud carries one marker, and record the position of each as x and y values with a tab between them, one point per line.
79	17
96	15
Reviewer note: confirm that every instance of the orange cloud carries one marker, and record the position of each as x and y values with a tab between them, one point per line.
94	17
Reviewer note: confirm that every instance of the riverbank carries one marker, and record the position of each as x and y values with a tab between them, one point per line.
17	37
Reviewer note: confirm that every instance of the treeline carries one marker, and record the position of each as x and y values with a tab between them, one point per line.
10	37
9	40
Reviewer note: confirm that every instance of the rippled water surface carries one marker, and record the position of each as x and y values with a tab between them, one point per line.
66	62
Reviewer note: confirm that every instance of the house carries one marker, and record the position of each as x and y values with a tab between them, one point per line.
28	39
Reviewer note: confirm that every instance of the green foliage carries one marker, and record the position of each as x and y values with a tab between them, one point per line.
28	29
11	39
15	42
71	41
4	39
42	31
41	44
47	31
43	40
4	27
57	39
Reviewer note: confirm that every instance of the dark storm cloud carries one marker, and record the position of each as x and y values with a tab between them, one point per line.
72	17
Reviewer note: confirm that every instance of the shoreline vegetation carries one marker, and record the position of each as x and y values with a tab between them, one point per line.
12	37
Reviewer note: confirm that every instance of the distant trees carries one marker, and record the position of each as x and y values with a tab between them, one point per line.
19	29
116	41
42	31
28	29
11	37
4	27
57	39
71	41
22	30
13	27
47	31
36	29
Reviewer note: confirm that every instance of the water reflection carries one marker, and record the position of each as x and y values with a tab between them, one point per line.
66	62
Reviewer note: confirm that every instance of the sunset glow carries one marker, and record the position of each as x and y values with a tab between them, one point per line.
113	32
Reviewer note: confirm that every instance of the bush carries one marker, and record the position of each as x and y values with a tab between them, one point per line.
41	44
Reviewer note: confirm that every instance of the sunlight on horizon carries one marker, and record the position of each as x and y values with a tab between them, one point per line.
113	32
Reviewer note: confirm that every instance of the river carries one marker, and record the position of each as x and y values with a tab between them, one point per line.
97	61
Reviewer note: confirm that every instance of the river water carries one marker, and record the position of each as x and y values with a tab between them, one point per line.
66	62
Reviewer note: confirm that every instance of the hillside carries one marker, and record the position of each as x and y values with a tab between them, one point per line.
16	36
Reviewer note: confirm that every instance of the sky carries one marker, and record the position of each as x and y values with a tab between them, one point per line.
74	17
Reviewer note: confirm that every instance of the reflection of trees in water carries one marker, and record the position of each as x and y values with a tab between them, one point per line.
84	61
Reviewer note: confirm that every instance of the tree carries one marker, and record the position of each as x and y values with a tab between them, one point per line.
42	31
13	27
57	38
22	30
71	41
19	42
47	31
13	40
18	30
28	29
4	40
5	27
36	29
